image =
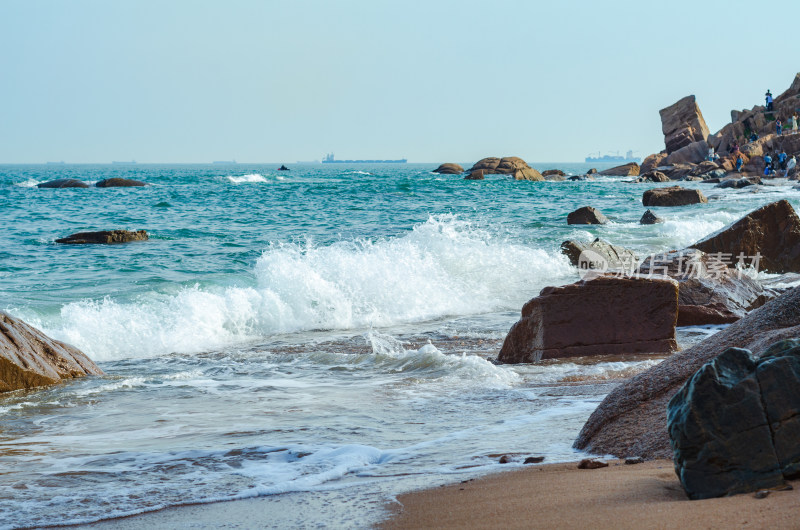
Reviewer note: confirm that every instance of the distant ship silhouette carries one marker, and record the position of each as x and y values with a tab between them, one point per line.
328	159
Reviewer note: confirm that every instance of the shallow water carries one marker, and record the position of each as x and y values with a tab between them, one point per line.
315	330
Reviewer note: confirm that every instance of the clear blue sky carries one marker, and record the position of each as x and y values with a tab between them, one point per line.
434	81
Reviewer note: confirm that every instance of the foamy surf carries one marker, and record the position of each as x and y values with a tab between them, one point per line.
244	179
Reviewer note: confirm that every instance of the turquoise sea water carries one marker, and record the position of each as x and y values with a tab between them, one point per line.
325	329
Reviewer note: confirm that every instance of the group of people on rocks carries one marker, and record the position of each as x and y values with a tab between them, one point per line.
791	123
774	164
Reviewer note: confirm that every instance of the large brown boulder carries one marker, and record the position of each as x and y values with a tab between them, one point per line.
632	419
586	216
528	173
708	291
771	232
652	162
672	196
553	172
505	166
626	170
449	169
105	237
29	358
607	315
478	174
682	124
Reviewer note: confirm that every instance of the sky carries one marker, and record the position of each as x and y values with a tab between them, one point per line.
433	81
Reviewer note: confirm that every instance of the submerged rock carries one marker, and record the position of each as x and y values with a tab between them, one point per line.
649	218
672	196
449	169
625	170
632	418
29	358
106	237
63	183
606	315
120	183
586	216
771	232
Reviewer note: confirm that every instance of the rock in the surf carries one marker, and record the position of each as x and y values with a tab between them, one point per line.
586	216
770	233
477	174
632	419
504	166
449	169
105	237
652	162
120	183
63	183
553	173
672	196
29	358
653	176
734	183
613	257
606	315
528	173
649	218
626	170
719	430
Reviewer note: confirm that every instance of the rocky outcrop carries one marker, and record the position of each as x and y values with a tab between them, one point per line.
505	166
682	124
678	171
612	256
672	196
632	419
709	292
771	232
653	176
29	358
625	170
652	162
120	183
63	183
694	153
528	173
105	237
586	216
449	169
649	218
607	315
478	174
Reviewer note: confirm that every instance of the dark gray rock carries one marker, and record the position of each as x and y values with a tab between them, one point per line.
63	183
106	237
586	216
734	183
719	432
649	218
617	258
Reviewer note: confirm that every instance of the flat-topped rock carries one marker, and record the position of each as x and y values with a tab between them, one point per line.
63	183
105	237
625	170
607	315
449	169
672	196
120	183
771	232
29	358
586	216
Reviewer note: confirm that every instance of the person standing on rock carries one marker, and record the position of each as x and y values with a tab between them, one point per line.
767	165
710	157
768	96
790	164
794	123
739	164
782	160
778	127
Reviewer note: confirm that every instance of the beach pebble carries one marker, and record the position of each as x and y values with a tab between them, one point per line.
588	463
634	460
505	459
761	494
534	460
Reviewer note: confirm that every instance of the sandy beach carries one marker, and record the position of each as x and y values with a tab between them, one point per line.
646	495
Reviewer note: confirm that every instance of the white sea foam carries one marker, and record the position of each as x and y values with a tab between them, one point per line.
252	177
30	183
442	267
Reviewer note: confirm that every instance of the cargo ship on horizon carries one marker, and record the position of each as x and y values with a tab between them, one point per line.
329	159
613	158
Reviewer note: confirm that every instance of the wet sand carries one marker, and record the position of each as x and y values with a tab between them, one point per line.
646	495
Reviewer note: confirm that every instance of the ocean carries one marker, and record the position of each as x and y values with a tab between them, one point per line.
320	333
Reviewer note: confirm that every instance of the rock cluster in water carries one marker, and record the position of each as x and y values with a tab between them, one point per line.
105	237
